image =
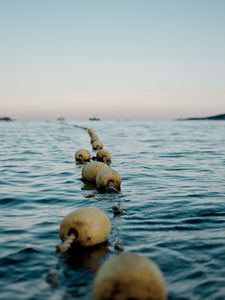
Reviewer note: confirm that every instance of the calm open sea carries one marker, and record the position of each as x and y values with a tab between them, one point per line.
173	191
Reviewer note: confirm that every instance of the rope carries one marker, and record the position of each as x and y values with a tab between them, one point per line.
66	245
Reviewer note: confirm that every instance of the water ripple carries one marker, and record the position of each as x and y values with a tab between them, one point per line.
172	191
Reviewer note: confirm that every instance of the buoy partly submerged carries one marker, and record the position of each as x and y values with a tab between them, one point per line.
108	179
91	169
97	144
82	155
85	227
103	155
129	276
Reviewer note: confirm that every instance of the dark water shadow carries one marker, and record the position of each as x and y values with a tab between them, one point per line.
89	258
88	186
80	164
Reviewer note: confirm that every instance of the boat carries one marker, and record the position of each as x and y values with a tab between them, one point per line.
6	119
94	119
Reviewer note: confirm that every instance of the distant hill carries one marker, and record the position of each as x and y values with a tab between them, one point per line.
215	117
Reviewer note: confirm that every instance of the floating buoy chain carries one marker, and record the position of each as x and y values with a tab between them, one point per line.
98	173
137	276
108	180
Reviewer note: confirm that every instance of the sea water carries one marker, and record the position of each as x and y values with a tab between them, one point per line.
173	192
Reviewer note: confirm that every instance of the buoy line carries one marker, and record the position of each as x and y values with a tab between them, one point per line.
125	275
99	173
107	180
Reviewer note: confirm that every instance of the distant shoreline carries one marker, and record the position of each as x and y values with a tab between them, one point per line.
220	117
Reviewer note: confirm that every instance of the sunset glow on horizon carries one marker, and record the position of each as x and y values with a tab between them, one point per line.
144	60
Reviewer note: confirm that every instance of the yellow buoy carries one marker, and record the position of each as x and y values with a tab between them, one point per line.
103	155
90	131
94	139
82	155
129	276
91	169
108	178
97	144
85	226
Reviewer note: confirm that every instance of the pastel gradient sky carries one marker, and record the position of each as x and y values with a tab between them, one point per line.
116	59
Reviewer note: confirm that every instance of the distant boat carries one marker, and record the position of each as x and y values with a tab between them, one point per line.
6	119
61	119
94	119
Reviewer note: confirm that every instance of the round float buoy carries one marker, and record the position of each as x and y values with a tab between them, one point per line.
103	155
82	155
129	276
91	169
97	144
90	131
108	179
94	138
85	226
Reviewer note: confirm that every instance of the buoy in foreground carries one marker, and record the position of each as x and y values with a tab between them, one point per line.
108	179
129	276
82	155
103	155
97	144
85	227
91	169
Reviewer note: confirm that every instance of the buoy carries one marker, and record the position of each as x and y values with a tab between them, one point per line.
94	139
82	155
90	131
129	276
103	155
108	179
91	169
85	227
97	144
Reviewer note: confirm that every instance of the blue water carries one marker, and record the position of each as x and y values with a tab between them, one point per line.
173	192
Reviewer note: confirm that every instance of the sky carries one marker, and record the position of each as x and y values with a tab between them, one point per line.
115	59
